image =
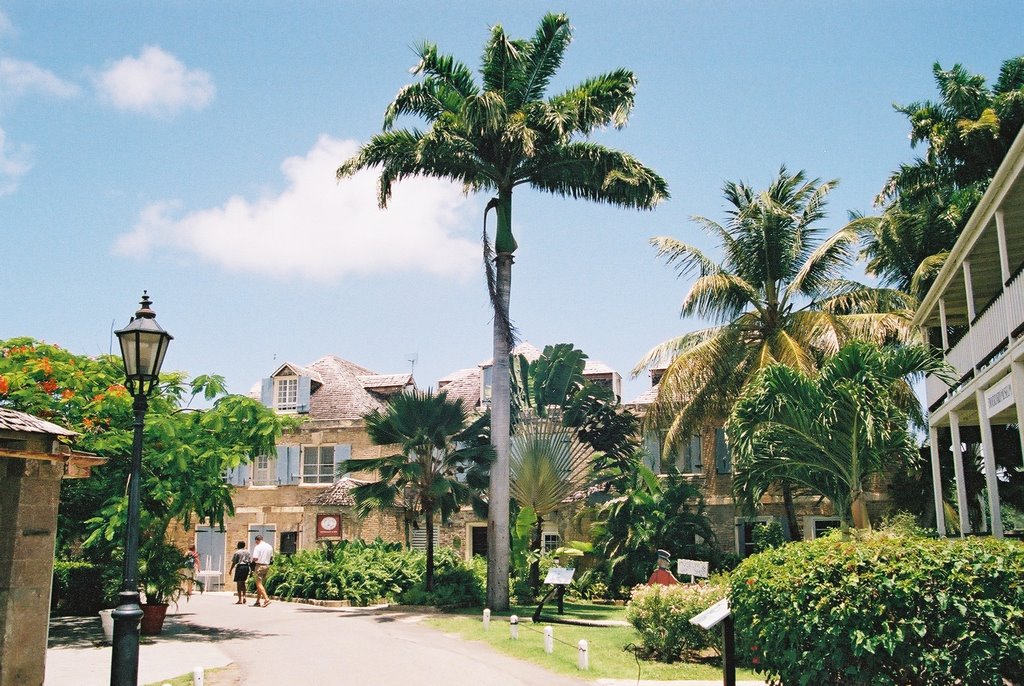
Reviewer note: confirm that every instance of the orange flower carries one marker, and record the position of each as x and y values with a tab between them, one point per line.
68	394
4	386
98	398
50	386
45	366
87	423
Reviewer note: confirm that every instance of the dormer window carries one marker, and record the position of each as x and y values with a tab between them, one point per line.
286	393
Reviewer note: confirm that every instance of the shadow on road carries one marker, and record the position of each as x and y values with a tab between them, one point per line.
86	632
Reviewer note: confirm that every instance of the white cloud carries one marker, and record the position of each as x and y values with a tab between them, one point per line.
5	24
18	77
319	230
13	165
155	82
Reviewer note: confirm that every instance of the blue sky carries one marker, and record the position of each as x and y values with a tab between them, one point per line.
188	148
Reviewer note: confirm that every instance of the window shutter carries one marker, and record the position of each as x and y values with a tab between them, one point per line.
652	452
243	474
341	453
267	392
302	401
723	460
281	468
695	457
231	476
294	464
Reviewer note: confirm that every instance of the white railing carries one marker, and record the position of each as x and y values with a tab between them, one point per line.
961	356
989	332
934	388
1014	297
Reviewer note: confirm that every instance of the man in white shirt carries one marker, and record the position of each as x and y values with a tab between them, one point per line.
262	554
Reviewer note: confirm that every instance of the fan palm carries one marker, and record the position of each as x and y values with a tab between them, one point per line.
439	462
828	433
496	136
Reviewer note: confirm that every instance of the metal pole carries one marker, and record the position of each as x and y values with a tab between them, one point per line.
124	661
729	658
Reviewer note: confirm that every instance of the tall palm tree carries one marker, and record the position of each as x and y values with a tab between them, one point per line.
779	295
497	135
927	202
440	460
828	433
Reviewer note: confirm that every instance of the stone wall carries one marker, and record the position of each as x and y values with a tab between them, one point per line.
29	495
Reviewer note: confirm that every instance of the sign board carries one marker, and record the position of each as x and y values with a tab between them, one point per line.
328	526
559	576
999	397
692	567
712	616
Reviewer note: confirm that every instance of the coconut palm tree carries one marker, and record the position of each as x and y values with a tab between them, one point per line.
779	295
830	432
440	460
497	135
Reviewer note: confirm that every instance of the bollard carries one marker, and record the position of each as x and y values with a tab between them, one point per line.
487	619
549	640
197	676
513	627
583	661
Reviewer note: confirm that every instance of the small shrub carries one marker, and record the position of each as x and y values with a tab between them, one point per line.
454	587
78	588
883	609
661	616
767	536
590	585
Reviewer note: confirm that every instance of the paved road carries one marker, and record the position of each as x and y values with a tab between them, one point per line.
290	644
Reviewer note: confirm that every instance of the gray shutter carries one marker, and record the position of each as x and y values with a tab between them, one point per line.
267	392
243	474
281	468
294	464
695	457
341	453
302	406
723	461
652	452
231	476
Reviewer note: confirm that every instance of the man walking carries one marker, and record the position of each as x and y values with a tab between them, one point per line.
262	554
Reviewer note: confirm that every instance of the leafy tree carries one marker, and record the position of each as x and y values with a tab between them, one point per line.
439	464
928	201
186	453
828	433
650	514
779	296
503	133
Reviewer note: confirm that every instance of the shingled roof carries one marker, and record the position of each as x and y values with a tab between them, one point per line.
344	395
463	385
340	493
12	420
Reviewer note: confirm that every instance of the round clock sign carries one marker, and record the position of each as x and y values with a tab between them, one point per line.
328	526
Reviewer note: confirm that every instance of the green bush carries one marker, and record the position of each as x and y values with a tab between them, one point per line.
453	587
661	616
79	588
351	570
886	608
768	535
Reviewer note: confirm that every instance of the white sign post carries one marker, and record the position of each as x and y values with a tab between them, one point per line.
694	568
719	613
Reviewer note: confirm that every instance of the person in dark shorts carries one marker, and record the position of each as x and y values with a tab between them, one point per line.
241	561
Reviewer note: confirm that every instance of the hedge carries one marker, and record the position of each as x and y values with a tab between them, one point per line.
78	588
661	616
883	609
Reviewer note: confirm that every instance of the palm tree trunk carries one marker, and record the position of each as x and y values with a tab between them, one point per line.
787	502
535	566
859	510
429	512
497	518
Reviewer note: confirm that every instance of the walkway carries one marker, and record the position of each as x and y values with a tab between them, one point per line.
290	644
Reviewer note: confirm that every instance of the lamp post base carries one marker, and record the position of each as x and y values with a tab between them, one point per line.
124	660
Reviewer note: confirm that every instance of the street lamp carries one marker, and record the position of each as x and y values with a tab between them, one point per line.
143	346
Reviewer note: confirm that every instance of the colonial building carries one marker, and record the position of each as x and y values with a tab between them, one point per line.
974	314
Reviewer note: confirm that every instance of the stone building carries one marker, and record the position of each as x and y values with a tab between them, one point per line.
34	457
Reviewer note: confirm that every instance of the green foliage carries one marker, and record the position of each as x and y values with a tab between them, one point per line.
163	570
358	572
81	588
592	584
661	616
883	608
652	514
454	587
769	535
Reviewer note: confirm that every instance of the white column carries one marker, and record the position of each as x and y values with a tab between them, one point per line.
969	291
958	470
1004	255
1017	372
940	516
991	483
944	325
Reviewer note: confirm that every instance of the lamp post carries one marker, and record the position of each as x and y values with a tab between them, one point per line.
143	346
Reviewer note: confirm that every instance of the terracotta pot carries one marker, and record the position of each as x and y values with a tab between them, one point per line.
152	619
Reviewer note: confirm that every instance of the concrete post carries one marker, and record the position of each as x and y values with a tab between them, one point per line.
991	482
487	619
549	640
958	470
940	517
513	627
583	660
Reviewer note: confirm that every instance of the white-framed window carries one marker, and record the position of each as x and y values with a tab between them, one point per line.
816	527
550	541
286	393
318	464
745	534
263	471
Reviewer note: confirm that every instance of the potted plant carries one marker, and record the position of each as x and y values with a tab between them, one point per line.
162	572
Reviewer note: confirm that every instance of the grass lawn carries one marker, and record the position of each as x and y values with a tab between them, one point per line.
608	660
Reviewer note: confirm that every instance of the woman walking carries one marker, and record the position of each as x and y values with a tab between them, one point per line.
240	563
